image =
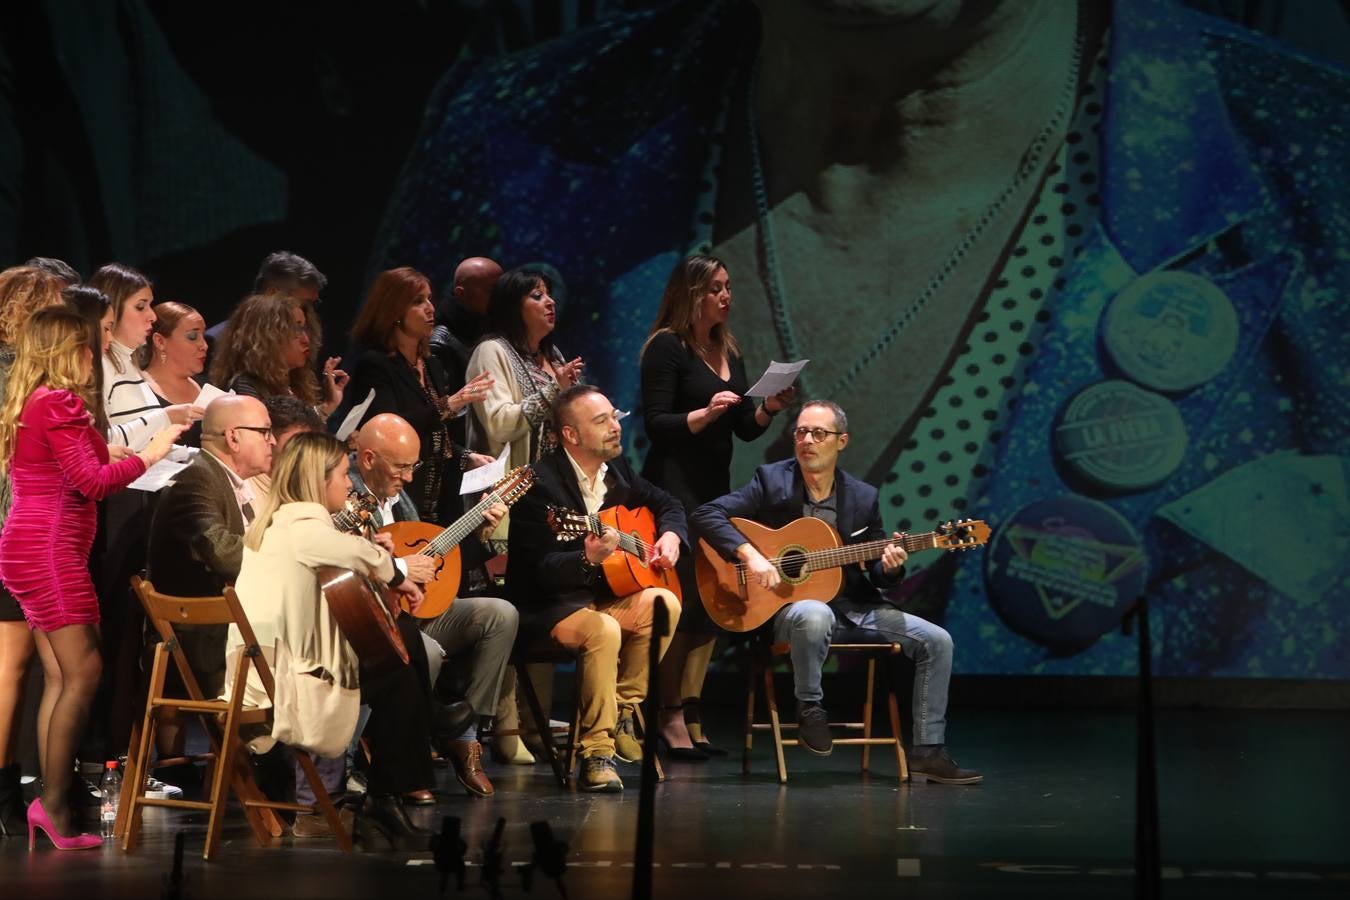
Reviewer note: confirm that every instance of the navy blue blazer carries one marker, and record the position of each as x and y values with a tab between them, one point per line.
774	498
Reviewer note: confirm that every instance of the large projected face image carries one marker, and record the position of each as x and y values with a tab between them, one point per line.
1075	269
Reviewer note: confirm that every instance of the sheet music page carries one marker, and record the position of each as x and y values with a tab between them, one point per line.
777	377
484	477
354	417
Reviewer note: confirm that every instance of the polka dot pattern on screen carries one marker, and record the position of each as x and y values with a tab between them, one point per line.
942	467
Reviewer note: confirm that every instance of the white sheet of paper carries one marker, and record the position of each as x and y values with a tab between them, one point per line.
354	417
621	414
778	376
208	393
484	477
158	476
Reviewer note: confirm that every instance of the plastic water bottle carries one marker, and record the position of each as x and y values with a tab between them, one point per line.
111	790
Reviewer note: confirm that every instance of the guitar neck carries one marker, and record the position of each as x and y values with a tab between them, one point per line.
460	528
628	543
856	553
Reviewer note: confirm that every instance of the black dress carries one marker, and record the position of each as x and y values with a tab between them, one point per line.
694	468
435	486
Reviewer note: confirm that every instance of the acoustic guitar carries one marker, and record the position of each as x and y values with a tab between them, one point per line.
627	572
362	608
426	539
808	554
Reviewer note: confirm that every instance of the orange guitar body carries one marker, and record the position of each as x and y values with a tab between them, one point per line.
740	604
627	573
409	539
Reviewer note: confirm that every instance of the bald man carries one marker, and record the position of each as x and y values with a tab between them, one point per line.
461	319
197	533
475	633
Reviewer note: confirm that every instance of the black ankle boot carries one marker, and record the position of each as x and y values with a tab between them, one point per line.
386	812
13	812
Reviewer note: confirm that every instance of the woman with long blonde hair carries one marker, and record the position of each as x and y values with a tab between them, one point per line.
265	351
291	536
59	467
23	290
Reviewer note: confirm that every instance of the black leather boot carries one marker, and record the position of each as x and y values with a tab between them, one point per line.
13	811
386	813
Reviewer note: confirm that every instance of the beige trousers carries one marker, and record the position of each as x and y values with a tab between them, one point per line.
612	642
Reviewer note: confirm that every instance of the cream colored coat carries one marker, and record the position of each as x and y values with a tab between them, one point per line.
317	672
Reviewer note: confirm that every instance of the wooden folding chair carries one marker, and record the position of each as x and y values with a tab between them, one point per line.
562	757
221	719
761	667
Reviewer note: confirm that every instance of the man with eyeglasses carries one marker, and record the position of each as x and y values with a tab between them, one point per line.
476	633
197	534
812	484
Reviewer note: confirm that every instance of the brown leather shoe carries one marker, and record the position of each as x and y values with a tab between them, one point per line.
419	798
467	758
315	825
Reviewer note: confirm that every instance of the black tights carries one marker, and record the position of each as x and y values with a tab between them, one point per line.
71	667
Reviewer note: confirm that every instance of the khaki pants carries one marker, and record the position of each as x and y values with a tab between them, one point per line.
612	643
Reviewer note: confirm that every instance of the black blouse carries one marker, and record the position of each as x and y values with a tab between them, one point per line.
696	468
435	486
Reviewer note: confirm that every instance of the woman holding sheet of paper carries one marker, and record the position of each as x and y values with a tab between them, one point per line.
173	357
693	402
392	337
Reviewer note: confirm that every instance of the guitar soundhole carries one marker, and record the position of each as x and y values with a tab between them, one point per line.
792	563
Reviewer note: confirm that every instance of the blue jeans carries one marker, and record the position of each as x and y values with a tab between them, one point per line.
810	625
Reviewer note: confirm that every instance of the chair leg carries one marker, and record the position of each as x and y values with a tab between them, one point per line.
867	711
573	737
641	721
751	674
901	763
772	699
541	722
133	785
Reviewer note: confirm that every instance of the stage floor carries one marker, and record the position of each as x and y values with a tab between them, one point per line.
1254	804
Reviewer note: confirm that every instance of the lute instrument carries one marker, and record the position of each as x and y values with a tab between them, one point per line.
442	544
809	555
629	571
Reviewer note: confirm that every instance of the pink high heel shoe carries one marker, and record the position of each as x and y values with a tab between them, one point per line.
38	819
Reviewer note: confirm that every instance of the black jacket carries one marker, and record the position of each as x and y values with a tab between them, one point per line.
545	578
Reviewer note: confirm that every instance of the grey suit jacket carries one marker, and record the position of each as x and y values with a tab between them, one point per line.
197	532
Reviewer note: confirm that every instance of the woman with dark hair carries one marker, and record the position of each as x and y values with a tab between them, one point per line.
59	466
392	338
693	403
264	351
173	358
527	370
23	290
134	413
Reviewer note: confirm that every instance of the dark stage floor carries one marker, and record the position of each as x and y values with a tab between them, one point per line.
1254	804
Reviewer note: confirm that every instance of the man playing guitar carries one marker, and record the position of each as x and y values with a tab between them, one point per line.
476	633
811	484
559	586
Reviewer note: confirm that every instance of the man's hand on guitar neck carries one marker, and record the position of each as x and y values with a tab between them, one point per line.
761	570
598	549
894	556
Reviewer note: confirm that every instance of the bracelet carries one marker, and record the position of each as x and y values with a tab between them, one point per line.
768	412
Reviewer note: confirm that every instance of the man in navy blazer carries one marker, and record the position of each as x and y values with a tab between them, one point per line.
812	484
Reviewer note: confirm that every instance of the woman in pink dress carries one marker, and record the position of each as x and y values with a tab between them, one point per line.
59	467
